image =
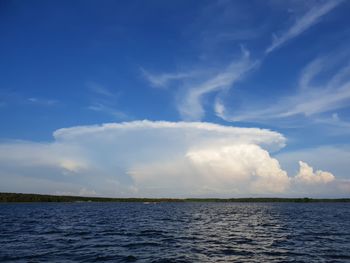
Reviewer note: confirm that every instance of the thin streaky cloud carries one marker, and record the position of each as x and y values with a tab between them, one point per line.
12	97
100	89
303	23
162	80
309	72
191	104
105	101
334	124
99	107
42	102
310	104
308	101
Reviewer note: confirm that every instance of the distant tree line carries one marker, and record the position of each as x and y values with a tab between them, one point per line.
18	197
267	200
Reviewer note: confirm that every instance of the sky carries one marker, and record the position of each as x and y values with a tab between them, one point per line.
175	98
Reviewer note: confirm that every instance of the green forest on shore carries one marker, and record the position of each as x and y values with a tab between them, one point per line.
19	197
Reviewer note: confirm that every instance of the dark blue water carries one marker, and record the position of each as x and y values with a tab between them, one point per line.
174	232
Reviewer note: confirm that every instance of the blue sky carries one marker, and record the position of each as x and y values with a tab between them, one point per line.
280	68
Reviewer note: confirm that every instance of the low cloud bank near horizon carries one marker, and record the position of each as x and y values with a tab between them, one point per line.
158	159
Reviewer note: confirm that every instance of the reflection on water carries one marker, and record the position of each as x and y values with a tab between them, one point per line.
175	232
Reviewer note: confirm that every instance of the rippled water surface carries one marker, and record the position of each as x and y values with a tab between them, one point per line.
175	232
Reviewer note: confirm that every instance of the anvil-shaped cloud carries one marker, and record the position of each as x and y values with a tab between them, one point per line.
150	158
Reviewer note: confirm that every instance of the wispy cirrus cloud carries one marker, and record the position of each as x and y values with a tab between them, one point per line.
334	124
190	105
99	89
105	101
13	97
311	97
194	88
163	80
42	101
100	107
310	18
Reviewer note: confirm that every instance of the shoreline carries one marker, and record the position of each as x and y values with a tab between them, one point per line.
32	198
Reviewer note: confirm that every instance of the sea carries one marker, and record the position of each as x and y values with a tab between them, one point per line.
174	232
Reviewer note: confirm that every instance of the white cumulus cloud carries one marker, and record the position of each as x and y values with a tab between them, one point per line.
307	175
149	158
237	169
